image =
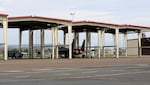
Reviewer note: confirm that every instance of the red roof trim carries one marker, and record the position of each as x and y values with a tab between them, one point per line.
93	22
5	15
135	26
52	18
40	17
76	22
18	17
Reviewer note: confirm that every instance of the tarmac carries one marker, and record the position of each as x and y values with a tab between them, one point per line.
27	64
105	71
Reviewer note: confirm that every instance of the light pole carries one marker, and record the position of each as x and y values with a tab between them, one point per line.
72	16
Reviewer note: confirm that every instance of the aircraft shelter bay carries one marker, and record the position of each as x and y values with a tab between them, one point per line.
71	30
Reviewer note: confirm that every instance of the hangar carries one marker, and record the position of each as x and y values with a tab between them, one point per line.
32	23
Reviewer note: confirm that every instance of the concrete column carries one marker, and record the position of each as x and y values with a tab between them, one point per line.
5	27
103	42
99	39
117	42
87	43
126	44
20	40
139	43
64	38
70	40
76	37
114	39
42	44
53	43
89	40
56	41
30	43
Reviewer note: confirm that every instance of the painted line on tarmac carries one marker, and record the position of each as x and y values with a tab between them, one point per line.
87	72
105	75
13	71
63	74
42	69
24	76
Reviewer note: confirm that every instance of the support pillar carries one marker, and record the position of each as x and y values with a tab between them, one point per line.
78	40
64	39
42	44
89	40
76	37
99	39
103	42
31	44
53	43
126	44
5	27
117	42
20	40
86	43
56	41
139	43
70	40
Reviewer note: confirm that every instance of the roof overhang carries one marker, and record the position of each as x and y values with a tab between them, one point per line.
4	15
35	22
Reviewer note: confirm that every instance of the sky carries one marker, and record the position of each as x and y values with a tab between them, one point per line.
135	12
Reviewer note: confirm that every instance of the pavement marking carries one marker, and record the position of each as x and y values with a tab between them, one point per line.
63	74
86	72
13	71
23	76
106	75
42	69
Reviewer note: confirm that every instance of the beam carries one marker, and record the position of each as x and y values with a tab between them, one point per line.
70	40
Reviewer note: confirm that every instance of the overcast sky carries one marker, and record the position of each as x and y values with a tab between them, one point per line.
113	11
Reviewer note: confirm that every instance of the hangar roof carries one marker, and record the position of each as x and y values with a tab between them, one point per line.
39	22
5	15
35	22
